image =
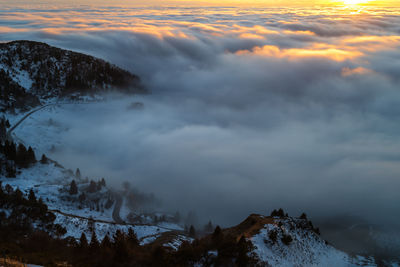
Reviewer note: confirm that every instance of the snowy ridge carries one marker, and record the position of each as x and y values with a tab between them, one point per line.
305	249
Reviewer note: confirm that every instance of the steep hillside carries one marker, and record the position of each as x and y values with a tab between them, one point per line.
31	72
278	240
288	241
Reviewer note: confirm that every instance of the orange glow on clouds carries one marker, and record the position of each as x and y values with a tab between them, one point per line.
315	51
356	71
346	49
265	39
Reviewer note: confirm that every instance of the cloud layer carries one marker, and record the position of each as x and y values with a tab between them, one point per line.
252	109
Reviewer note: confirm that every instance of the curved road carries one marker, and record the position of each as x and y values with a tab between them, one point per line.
117	209
36	110
25	117
118	204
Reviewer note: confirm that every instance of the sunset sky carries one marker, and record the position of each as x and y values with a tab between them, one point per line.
252	3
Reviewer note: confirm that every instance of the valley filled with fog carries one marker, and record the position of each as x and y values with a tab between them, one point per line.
247	113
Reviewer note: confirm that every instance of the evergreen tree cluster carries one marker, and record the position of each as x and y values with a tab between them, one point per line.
13	157
73	189
23	212
305	223
279	213
93	186
21	155
25	157
96	186
122	249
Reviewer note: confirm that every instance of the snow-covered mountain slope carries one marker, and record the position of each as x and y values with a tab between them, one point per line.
291	242
288	241
51	182
32	71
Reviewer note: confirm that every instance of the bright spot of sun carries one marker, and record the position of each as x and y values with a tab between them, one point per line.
354	2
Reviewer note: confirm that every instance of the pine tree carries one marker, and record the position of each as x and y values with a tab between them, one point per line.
18	196
94	243
22	159
281	213
3	130
78	173
177	217
82	197
132	238
243	250
278	213
106	243
217	236
208	227
83	241
32	197
92	187
121	248
12	152
119	236
73	189
31	156
44	159
192	231
11	172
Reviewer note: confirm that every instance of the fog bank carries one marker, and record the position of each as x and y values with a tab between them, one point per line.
248	113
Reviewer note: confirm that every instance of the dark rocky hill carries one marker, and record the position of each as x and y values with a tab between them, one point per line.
32	71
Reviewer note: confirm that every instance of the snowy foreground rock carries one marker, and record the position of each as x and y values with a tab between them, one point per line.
306	247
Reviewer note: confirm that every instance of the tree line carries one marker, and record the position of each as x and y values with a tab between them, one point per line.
15	156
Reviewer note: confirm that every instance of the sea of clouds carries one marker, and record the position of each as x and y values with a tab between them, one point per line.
251	109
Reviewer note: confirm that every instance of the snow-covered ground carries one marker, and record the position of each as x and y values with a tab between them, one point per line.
177	242
50	182
76	226
19	75
41	130
306	248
